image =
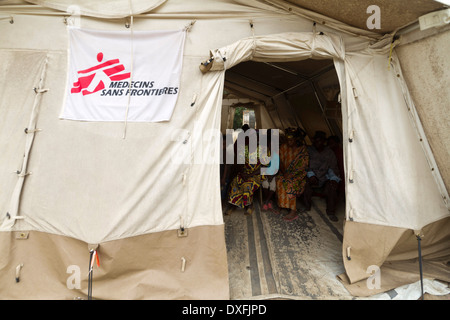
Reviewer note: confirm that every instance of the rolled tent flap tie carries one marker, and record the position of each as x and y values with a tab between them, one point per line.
214	63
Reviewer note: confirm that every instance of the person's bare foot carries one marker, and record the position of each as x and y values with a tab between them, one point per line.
229	211
291	216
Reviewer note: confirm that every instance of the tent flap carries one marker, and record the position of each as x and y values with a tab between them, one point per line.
276	48
385	159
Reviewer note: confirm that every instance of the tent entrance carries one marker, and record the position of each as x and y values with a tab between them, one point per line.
269	257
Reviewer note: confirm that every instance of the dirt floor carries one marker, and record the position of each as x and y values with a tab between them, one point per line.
270	258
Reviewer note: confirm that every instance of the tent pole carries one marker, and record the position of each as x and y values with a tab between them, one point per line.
294	114
419	239
322	108
270	116
278	113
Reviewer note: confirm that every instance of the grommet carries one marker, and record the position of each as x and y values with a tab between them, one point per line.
182	232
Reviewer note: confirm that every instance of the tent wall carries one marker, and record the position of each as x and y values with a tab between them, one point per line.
75	191
153	266
426	69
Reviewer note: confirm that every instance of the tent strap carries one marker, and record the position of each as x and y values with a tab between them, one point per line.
93	256
419	249
90	275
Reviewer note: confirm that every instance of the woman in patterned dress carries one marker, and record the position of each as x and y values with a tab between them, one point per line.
292	174
247	181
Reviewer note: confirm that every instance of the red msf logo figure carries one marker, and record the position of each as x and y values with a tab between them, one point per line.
100	76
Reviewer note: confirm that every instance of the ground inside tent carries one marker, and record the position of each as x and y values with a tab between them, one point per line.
270	258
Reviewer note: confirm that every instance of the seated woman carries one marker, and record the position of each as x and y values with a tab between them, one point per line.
269	185
248	178
291	179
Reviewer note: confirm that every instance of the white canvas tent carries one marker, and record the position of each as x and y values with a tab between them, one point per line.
148	201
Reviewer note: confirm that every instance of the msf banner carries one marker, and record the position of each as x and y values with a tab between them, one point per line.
117	76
